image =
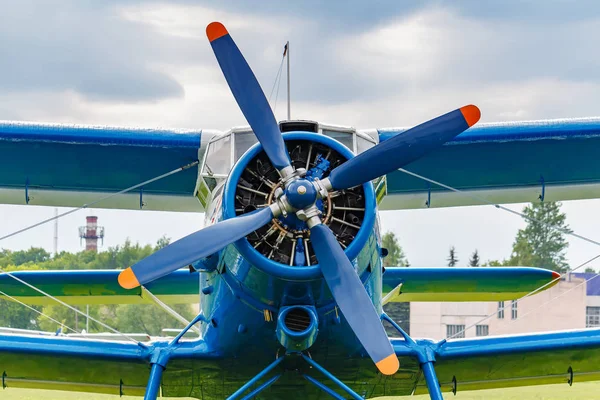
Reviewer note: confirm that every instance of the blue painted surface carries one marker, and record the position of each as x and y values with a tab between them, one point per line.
241	291
487	156
295	339
251	99
105	136
465	279
592	284
507	155
301	193
432	382
272	268
79	158
153	387
99	284
398	150
198	245
349	293
559	129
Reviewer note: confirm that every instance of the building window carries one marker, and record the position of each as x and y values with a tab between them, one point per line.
482	330
501	310
592	317
513	310
455	331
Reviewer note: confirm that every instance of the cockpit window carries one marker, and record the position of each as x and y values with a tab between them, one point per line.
243	141
363	144
218	158
343	137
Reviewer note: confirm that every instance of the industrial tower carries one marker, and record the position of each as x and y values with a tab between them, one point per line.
91	232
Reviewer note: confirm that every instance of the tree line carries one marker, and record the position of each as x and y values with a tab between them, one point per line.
130	318
542	243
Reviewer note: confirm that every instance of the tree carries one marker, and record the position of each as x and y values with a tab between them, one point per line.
398	311
162	242
34	255
452	260
496	263
69	318
541	244
395	256
149	318
146	318
474	260
15	315
590	270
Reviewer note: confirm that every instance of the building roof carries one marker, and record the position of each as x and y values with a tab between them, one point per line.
593	283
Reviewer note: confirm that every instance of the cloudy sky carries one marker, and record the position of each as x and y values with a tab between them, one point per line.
365	64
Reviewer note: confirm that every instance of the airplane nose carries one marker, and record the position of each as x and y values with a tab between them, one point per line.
301	193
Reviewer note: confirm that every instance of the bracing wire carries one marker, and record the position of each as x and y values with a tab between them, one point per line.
183	168
551	300
37	311
277	92
277	79
485	201
69	306
100	200
498	206
487	317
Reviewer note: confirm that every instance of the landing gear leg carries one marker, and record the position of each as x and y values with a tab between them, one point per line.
426	358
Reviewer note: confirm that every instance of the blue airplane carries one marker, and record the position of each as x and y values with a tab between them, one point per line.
288	271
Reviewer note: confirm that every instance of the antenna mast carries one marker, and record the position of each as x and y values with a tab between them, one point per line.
55	232
289	113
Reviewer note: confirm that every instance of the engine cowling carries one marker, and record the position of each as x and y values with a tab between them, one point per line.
282	247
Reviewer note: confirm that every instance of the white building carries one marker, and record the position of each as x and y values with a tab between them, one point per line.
572	303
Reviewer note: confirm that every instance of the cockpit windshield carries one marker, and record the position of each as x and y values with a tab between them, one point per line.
218	157
345	138
243	141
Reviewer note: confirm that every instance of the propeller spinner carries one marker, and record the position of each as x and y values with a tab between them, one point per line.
299	197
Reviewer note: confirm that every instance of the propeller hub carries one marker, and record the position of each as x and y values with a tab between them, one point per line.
301	193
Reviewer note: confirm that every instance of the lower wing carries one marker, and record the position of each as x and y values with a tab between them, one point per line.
111	367
509	361
96	287
464	284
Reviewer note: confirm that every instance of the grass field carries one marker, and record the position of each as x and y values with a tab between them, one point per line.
586	390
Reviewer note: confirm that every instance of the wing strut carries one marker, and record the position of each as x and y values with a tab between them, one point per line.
426	360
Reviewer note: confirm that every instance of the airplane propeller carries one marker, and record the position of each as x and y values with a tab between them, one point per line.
249	96
300	196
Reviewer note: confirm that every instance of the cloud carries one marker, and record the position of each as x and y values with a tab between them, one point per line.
58	46
142	63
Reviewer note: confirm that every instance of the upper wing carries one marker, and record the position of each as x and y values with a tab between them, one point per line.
97	287
519	360
503	163
60	165
464	284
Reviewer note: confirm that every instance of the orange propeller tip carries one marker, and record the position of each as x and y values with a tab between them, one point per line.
127	279
471	114
215	30
389	365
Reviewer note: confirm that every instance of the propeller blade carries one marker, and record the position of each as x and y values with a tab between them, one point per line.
193	247
353	300
404	148
248	94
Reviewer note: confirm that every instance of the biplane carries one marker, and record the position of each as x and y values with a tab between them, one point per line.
288	271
